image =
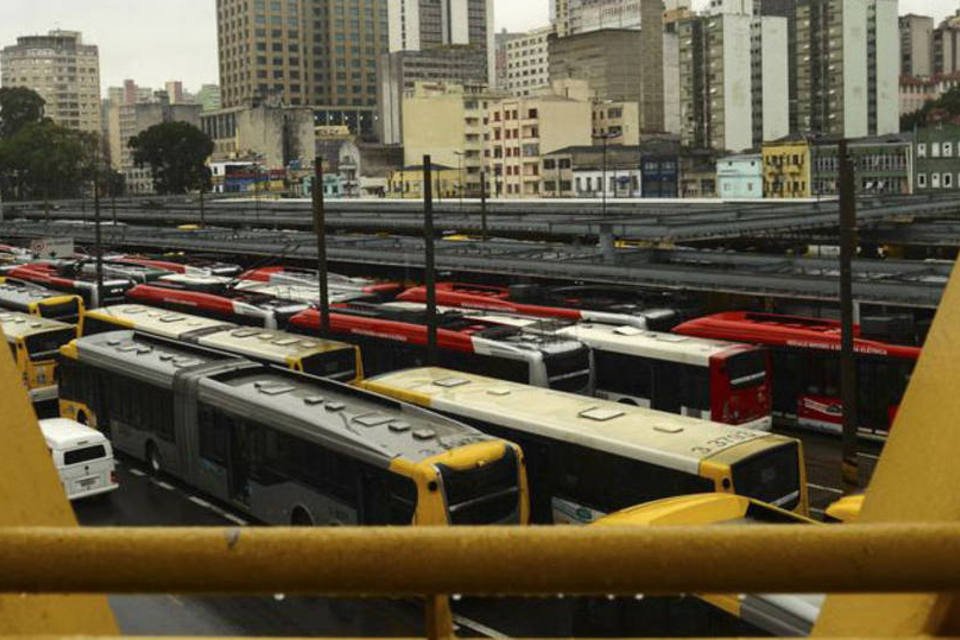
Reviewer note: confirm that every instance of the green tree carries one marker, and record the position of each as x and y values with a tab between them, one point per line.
44	160
947	105
176	153
19	107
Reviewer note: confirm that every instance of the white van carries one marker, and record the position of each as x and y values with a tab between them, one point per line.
82	456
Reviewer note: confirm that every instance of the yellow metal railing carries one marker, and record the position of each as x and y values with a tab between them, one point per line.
502	561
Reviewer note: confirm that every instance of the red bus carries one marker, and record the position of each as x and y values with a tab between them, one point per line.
179	263
242	308
392	339
310	278
80	284
806	367
509	299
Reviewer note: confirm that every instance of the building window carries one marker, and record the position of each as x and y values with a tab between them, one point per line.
922	180
947	181
947	149
934	149
922	150
935	180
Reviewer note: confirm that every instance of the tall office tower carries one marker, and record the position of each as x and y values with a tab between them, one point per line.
946	46
63	70
916	45
733	77
209	97
301	52
419	25
174	89
523	65
848	67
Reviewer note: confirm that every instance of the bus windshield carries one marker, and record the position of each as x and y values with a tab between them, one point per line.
483	495
44	346
746	370
340	364
772	476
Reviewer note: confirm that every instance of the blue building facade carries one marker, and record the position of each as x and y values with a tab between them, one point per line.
740	177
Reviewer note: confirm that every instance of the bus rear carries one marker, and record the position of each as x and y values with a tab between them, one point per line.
740	388
769	469
35	343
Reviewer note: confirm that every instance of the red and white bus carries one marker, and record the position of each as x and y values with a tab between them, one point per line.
396	338
242	308
497	298
178	263
806	367
79	284
309	278
711	380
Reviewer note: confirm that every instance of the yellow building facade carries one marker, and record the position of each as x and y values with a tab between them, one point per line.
786	169
407	183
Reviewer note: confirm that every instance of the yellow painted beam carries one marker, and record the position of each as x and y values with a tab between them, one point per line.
917	480
31	495
412	561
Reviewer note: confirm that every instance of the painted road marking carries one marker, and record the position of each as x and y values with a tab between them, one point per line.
478	627
137	472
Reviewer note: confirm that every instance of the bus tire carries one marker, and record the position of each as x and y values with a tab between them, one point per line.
153	459
300	518
82	417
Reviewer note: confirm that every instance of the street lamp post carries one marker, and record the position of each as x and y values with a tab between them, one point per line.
459	155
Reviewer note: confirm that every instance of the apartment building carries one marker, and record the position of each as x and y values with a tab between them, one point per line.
520	131
419	25
63	70
937	153
787	168
734	78
916	45
848	64
522	60
946	46
301	52
447	122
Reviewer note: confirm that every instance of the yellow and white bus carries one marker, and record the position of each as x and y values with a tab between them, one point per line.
587	458
780	615
27	297
35	343
288	448
319	357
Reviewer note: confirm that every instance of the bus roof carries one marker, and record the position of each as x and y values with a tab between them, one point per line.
158	322
371	427
787	331
274	346
643	434
662	346
146	358
16	325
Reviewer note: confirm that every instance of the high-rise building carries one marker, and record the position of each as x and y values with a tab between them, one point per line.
733	77
419	25
209	97
848	67
63	70
579	16
916	45
174	89
616	66
946	46
523	64
301	52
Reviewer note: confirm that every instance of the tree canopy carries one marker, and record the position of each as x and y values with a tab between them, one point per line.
38	158
176	153
19	107
946	107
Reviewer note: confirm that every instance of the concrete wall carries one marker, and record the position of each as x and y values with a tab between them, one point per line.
737	83
775	92
261	131
671	83
855	89
433	124
888	61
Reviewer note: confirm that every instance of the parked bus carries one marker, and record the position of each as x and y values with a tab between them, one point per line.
743	615
310	278
34	343
288	448
300	293
587	458
180	263
36	300
82	285
510	299
324	358
707	379
806	368
392	337
251	309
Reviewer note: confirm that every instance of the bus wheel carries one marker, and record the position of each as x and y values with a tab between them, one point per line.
82	417
153	459
301	518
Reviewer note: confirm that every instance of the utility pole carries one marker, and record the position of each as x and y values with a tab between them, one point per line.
430	275
96	226
483	205
603	185
848	363
320	228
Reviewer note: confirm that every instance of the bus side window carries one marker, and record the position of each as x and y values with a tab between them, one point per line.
213	436
623	374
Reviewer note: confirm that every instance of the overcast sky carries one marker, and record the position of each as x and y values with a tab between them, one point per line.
153	41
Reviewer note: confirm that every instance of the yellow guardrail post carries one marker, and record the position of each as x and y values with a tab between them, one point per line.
32	495
916	481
